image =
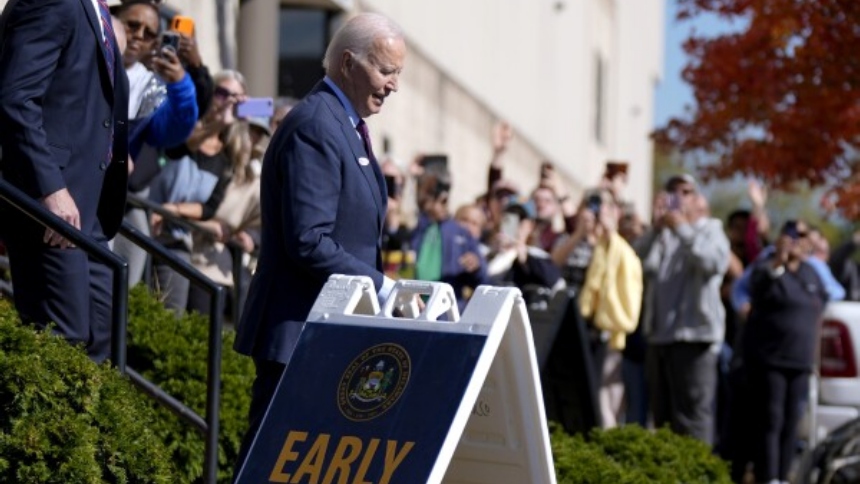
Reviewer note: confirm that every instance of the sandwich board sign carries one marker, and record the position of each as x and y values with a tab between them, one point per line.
370	398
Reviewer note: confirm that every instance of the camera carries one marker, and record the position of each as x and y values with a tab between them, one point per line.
594	202
791	230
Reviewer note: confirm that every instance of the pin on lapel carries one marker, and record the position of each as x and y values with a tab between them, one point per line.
363	161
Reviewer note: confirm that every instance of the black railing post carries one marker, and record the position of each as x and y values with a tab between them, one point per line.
213	384
119	325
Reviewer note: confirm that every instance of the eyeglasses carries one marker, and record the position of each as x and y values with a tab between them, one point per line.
134	26
225	93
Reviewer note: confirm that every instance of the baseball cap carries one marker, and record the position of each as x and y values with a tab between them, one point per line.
676	180
261	123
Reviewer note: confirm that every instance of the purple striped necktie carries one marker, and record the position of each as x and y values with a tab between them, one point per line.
110	56
365	138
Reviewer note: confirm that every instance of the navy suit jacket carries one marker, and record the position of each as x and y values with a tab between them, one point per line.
323	204
60	114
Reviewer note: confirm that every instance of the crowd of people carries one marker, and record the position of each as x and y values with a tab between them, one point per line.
717	321
706	326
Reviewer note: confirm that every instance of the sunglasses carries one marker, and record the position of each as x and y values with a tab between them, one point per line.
225	93
134	26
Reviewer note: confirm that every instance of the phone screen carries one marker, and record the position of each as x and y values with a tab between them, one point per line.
510	225
170	40
392	186
674	201
256	107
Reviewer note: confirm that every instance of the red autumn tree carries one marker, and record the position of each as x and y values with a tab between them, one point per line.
779	98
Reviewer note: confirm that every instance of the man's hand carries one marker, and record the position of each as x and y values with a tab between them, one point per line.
502	134
244	239
757	193
674	219
168	67
586	221
470	262
61	204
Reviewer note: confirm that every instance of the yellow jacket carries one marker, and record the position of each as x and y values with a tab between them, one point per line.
612	293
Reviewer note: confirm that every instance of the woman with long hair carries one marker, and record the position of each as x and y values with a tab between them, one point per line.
193	184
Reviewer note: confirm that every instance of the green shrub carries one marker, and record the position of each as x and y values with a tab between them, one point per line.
632	454
172	353
64	419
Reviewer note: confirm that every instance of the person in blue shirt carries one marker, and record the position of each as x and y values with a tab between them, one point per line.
741	291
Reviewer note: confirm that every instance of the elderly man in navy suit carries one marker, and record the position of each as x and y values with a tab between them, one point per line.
63	133
323	198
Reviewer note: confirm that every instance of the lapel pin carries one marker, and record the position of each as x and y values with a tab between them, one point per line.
363	161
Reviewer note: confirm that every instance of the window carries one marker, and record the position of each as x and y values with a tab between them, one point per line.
599	98
303	37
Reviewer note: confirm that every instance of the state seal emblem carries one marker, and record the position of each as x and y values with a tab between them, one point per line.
373	382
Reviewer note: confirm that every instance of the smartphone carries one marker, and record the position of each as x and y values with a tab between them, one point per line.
392	186
170	40
255	107
183	25
546	169
674	201
510	225
594	202
790	229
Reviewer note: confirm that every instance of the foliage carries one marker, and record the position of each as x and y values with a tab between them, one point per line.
778	99
631	455
172	353
65	419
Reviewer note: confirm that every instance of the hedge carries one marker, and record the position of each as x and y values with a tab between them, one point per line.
171	352
631	454
64	419
85	424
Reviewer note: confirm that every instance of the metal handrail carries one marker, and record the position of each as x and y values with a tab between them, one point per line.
208	427
236	251
119	312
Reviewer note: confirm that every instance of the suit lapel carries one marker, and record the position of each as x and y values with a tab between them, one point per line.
369	171
95	23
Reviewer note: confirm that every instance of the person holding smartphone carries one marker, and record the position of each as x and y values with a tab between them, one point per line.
778	350
445	251
162	111
685	255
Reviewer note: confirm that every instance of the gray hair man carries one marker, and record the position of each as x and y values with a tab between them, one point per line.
684	258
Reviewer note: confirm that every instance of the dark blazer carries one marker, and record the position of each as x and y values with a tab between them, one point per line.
60	114
322	214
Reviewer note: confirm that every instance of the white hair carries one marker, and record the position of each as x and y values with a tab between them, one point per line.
357	36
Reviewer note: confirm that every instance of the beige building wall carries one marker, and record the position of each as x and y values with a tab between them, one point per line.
533	63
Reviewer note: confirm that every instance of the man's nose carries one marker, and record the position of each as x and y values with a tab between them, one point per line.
393	82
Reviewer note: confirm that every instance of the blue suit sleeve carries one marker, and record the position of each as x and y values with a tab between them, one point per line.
835	291
173	121
309	165
32	40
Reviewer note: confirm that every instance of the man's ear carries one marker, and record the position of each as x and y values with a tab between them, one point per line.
347	61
